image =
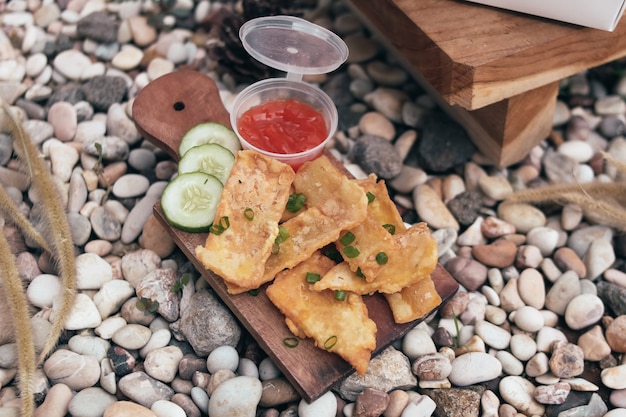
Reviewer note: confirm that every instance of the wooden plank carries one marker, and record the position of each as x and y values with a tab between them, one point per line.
311	370
163	111
506	131
476	55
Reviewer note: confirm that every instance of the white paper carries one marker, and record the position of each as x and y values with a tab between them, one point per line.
599	14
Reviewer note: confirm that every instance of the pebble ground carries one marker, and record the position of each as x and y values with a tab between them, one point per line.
538	327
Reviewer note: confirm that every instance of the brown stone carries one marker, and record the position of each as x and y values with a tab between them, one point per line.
616	334
398	399
494	227
370	403
552	394
567	360
190	364
455	306
567	260
470	273
432	367
498	254
457	401
278	391
593	344
127	409
156	238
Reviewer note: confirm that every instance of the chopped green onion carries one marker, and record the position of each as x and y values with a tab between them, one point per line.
381	258
312	277
390	228
359	273
370	197
295	202
350	252
330	342
283	235
346	239
222	224
340	295
248	213
291	342
254	292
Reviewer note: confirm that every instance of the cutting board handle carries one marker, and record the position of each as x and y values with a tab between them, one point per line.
169	106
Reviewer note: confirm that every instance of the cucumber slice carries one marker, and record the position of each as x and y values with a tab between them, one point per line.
209	132
209	158
190	200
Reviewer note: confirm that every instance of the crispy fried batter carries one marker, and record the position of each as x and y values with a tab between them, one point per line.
412	257
334	203
342	327
382	208
373	235
413	302
239	254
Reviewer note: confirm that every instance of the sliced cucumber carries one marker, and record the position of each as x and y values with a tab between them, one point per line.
190	200
209	158
209	132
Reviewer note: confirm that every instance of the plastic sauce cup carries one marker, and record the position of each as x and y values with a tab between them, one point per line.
283	89
297	47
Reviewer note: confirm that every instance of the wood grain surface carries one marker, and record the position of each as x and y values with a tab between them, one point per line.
475	55
163	111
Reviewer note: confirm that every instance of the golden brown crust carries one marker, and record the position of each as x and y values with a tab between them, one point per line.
262	185
342	327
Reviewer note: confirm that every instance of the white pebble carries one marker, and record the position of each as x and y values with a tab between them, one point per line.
164	408
492	335
247	367
268	370
92	271
473	368
130	185
109	326
417	342
223	357
239	396
578	150
200	397
43	289
160	338
324	406
84	314
510	364
518	391
599	257
584	310
162	363
132	336
528	319
523	346
111	296
71	63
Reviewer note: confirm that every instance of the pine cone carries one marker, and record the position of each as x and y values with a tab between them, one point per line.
224	45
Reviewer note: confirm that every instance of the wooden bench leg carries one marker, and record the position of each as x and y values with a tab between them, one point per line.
507	130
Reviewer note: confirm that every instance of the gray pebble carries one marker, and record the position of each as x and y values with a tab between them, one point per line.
377	155
105	225
142	159
111	148
80	227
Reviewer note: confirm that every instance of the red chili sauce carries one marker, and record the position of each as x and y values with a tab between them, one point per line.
283	126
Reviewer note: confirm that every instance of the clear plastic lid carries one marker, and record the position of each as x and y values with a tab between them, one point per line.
293	45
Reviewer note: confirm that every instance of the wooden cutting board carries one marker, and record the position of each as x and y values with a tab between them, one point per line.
163	111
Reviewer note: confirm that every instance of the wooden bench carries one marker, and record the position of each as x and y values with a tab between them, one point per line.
494	71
